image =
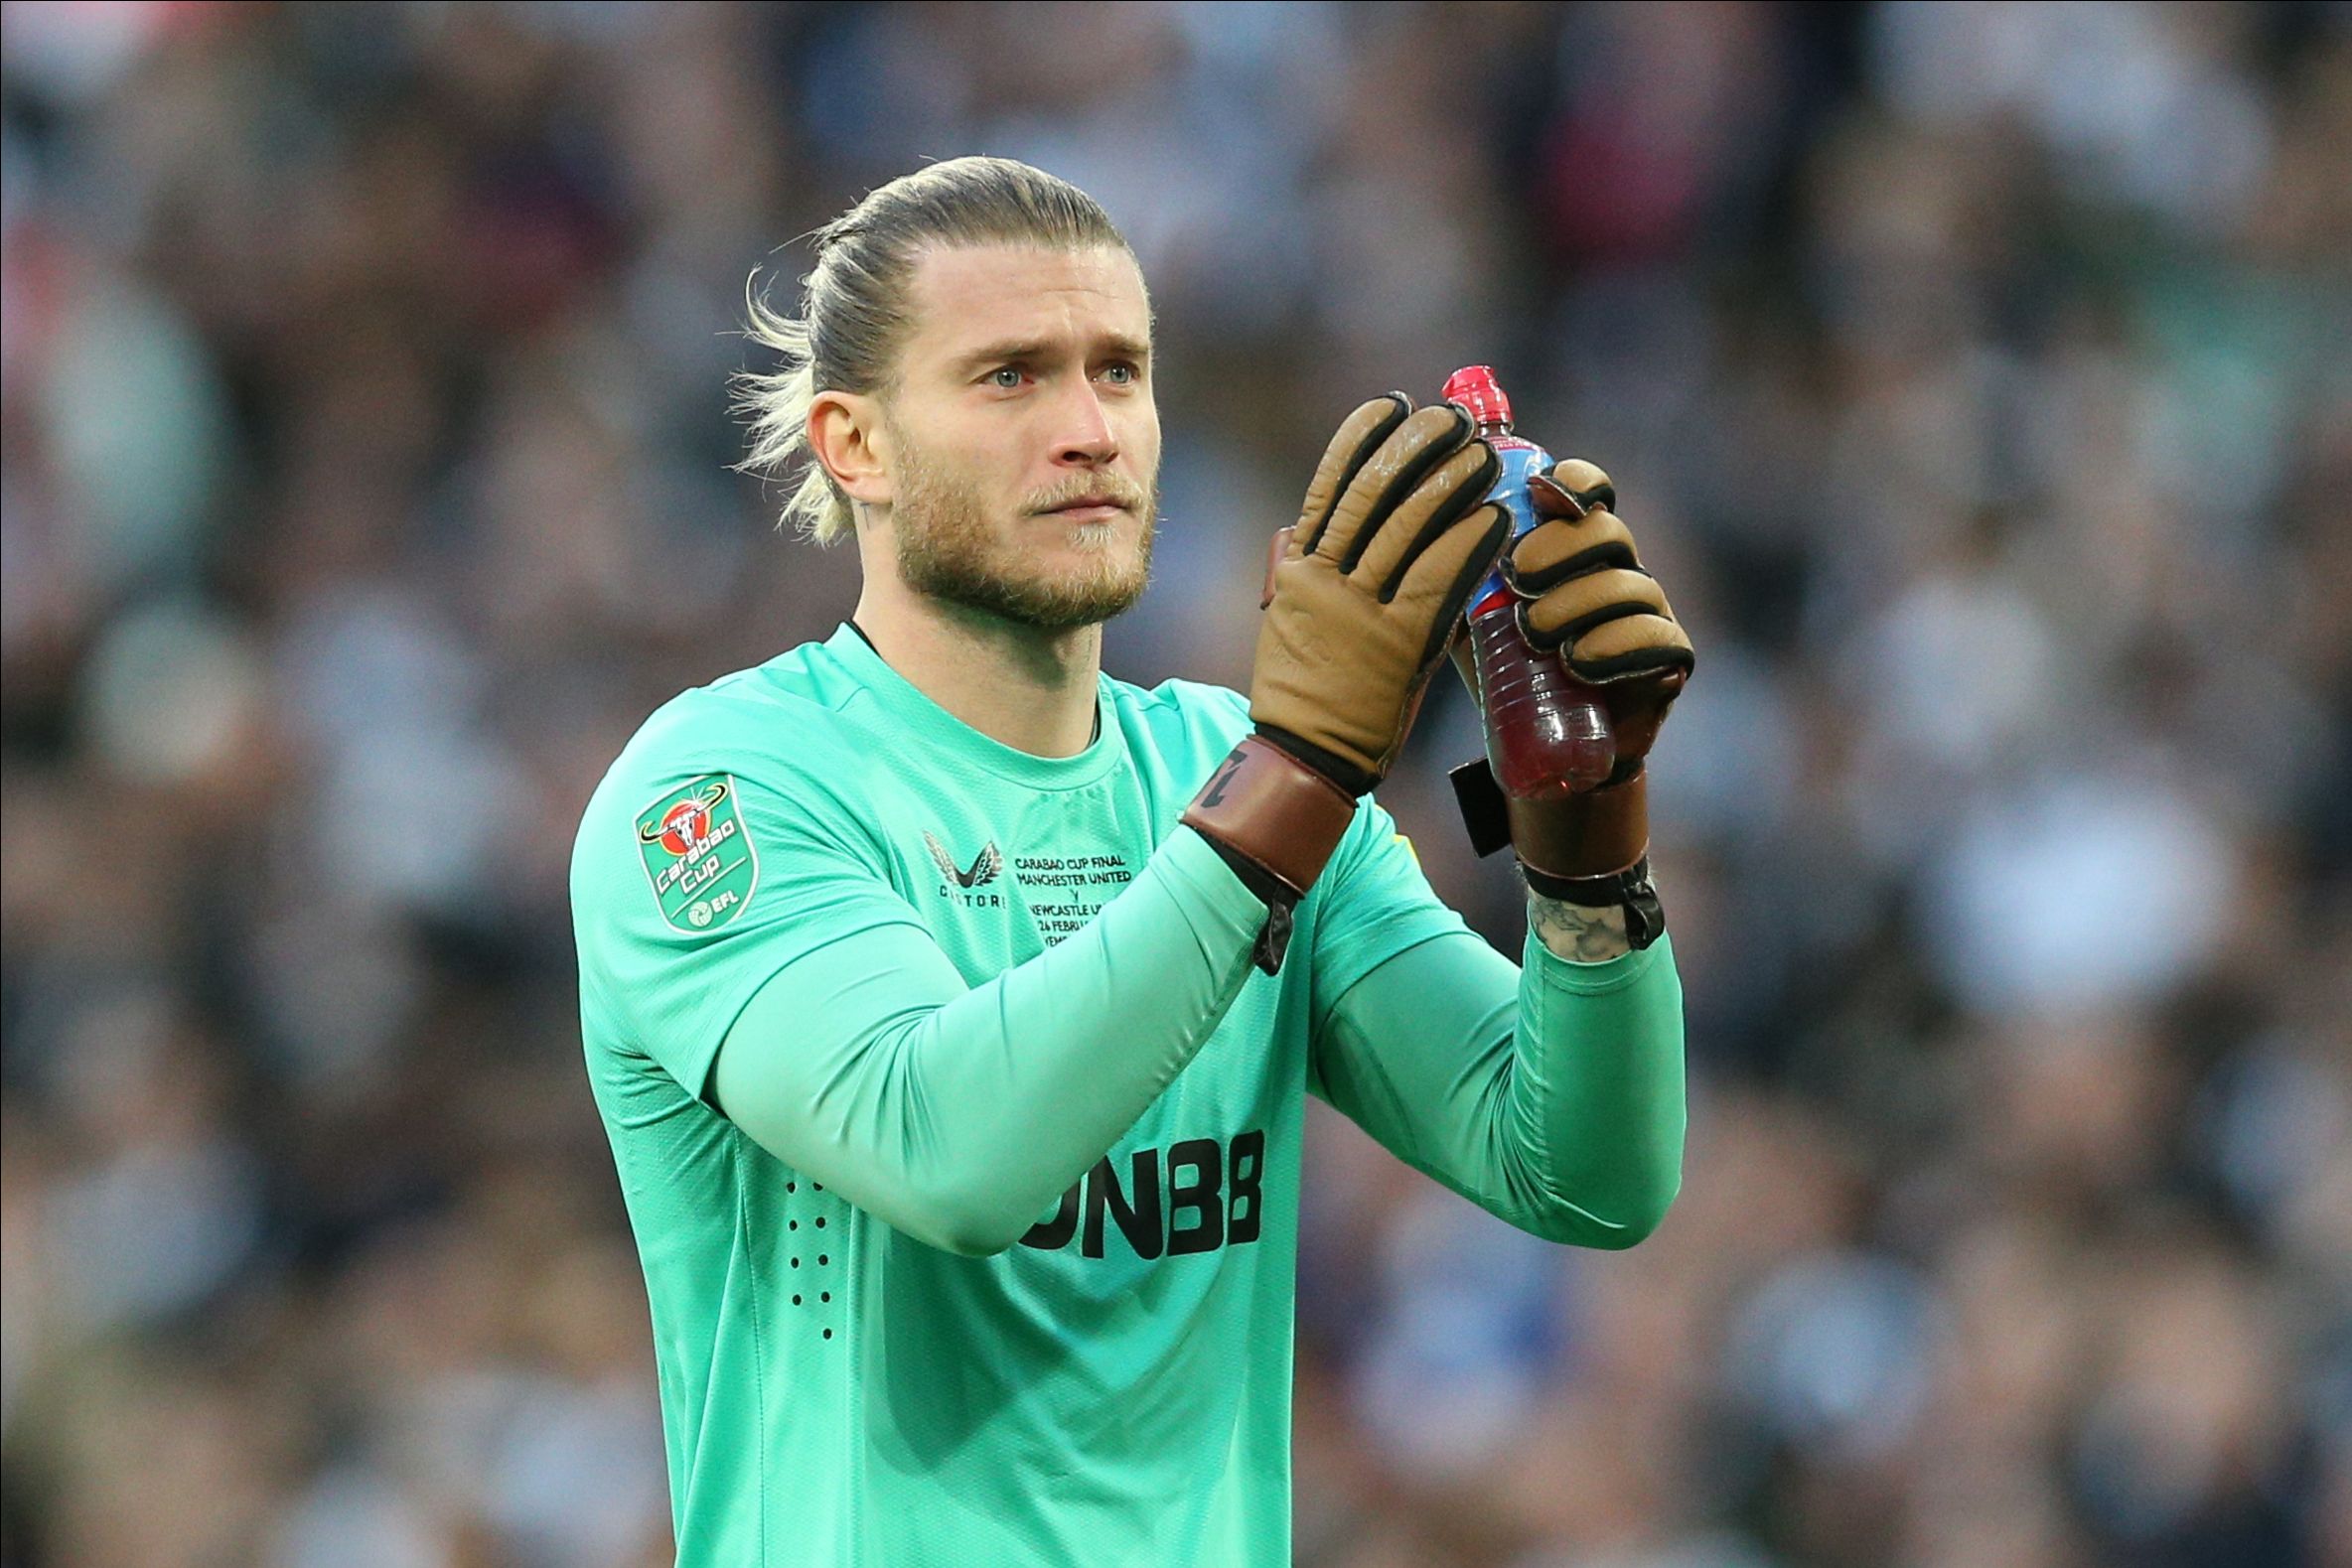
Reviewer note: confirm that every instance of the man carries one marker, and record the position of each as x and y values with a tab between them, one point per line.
952	1007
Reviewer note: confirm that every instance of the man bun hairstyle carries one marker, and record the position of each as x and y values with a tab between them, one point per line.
853	304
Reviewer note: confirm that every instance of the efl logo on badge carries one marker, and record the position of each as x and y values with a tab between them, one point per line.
697	856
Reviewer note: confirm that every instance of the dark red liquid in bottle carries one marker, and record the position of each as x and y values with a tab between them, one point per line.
1547	734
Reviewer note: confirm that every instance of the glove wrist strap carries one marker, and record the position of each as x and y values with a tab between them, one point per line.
1629	890
1593	849
1594	834
1598	833
1276	820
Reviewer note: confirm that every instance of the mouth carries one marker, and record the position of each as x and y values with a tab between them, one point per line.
1087	508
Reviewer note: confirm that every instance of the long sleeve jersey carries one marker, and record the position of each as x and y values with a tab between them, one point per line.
962	1139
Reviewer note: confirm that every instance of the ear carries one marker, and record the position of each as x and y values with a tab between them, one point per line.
845	434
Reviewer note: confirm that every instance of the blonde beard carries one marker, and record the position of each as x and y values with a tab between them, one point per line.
948	549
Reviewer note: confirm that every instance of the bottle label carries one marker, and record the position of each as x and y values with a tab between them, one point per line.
1521	460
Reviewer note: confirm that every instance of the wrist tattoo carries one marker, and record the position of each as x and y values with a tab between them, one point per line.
1578	933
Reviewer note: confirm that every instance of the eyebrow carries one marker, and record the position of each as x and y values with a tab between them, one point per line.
1115	345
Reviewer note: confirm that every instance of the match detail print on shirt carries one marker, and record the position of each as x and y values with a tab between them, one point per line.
1066	891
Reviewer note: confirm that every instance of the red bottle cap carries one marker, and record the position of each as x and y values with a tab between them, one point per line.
1474	387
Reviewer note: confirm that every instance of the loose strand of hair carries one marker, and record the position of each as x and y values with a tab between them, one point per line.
776	405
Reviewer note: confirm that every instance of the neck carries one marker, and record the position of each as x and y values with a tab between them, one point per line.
1022	686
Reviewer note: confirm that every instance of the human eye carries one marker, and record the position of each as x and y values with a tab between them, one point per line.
1122	373
1005	377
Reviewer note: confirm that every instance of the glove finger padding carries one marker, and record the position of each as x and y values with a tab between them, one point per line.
1386	555
1584	588
1573	488
1632	647
1360	435
1365	594
1384	481
1437	585
1565	614
1555	551
1609	625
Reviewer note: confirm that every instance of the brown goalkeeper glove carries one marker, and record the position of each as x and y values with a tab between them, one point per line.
1361	596
1584	594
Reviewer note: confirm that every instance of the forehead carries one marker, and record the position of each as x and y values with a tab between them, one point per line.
967	295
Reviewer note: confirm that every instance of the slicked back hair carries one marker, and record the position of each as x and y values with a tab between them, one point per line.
853	312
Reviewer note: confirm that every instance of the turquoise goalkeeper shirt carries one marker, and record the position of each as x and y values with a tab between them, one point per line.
961	1138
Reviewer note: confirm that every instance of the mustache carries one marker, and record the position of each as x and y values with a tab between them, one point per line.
1118	492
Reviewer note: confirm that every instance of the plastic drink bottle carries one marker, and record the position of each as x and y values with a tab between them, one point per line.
1548	735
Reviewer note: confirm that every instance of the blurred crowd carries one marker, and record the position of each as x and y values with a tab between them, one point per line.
1975	376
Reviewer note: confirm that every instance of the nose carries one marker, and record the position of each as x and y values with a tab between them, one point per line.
1086	439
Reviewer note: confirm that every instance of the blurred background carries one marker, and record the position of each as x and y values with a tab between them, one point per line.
1975	376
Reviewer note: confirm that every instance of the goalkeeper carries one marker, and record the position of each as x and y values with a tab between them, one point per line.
951	1005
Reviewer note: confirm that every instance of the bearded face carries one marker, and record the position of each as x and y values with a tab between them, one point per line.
1049	560
1017	448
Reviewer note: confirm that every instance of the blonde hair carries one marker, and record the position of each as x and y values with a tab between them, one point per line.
853	303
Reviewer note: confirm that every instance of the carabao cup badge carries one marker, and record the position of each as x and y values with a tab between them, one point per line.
697	855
